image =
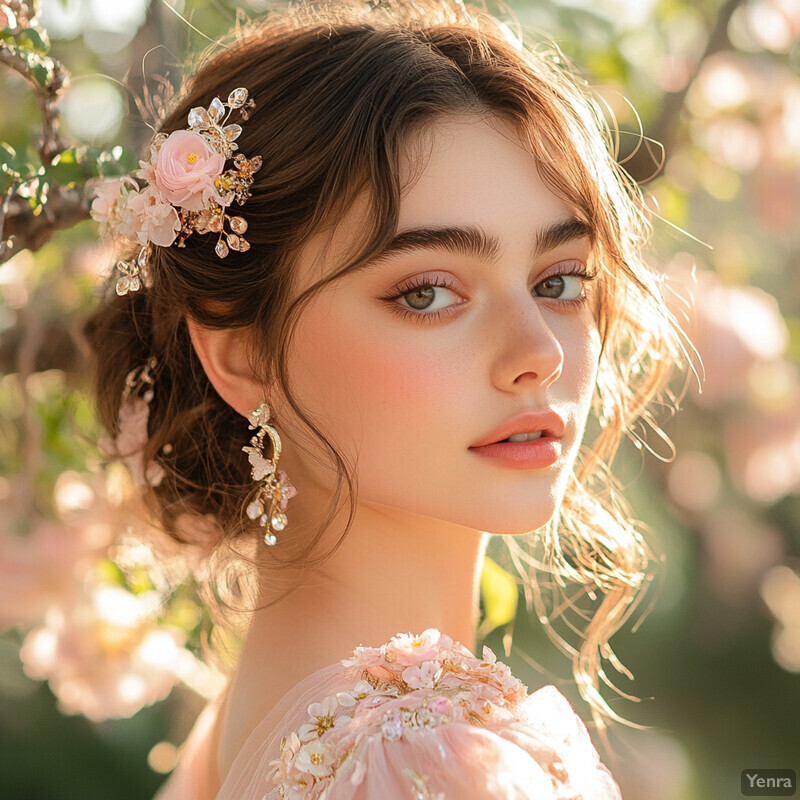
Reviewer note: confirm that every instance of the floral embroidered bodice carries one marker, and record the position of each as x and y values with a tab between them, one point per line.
419	718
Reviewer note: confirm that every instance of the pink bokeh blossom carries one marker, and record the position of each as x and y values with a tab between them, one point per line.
735	329
42	569
105	656
763	451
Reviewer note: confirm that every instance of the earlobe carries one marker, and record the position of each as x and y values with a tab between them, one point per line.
223	354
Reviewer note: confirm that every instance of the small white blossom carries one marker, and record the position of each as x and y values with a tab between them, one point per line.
315	758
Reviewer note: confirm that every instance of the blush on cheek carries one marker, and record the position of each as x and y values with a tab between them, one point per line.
372	374
373	386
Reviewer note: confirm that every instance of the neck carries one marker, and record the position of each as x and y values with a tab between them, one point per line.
393	573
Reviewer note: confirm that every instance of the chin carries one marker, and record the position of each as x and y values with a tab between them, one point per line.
517	528
506	521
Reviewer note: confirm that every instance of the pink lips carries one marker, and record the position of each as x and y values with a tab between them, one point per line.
546	420
535	454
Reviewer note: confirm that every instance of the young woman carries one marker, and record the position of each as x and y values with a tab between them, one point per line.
375	295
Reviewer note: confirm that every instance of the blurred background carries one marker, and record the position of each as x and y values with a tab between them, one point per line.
100	675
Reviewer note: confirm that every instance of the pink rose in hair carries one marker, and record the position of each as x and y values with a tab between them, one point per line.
157	222
185	169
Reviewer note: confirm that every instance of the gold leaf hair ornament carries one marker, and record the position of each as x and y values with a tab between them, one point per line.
185	189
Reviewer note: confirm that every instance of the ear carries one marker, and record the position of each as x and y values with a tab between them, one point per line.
223	354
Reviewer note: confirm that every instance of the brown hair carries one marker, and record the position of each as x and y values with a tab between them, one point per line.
339	90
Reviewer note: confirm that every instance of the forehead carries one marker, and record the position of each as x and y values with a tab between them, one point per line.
463	169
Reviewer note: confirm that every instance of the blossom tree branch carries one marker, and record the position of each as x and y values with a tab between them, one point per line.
48	89
24	49
644	163
38	199
26	230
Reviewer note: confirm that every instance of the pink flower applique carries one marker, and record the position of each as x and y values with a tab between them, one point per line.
423	676
158	222
186	169
287	490
411	651
106	196
109	198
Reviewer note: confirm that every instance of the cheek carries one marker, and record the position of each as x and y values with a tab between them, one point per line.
584	365
589	359
368	388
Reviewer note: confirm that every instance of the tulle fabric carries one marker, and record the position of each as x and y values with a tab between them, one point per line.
535	749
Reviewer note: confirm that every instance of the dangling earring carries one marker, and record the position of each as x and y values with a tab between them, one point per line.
275	490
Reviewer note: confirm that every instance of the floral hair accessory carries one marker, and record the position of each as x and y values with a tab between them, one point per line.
186	190
134	412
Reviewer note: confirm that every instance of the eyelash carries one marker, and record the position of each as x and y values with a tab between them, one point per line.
578	271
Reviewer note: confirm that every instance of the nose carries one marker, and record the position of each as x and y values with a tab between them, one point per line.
528	355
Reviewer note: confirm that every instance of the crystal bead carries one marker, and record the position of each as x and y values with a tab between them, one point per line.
203	221
216	223
270	539
254	510
237	98
221	249
232	132
260	415
278	522
238	224
233	241
216	111
263	520
244	245
198	118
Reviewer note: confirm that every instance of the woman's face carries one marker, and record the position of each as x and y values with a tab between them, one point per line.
410	363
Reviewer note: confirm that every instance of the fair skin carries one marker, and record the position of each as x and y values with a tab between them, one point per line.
404	396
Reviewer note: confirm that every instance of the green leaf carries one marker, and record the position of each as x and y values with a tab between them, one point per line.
41	71
9	174
499	595
7	153
66	169
7	179
15	168
116	162
34	40
76	164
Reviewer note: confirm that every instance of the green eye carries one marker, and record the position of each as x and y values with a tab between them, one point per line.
560	287
421	298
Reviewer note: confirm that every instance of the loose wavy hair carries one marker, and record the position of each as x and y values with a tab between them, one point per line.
340	89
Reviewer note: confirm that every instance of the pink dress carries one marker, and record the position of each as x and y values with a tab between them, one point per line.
419	718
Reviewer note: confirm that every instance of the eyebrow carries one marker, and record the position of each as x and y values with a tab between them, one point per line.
472	240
